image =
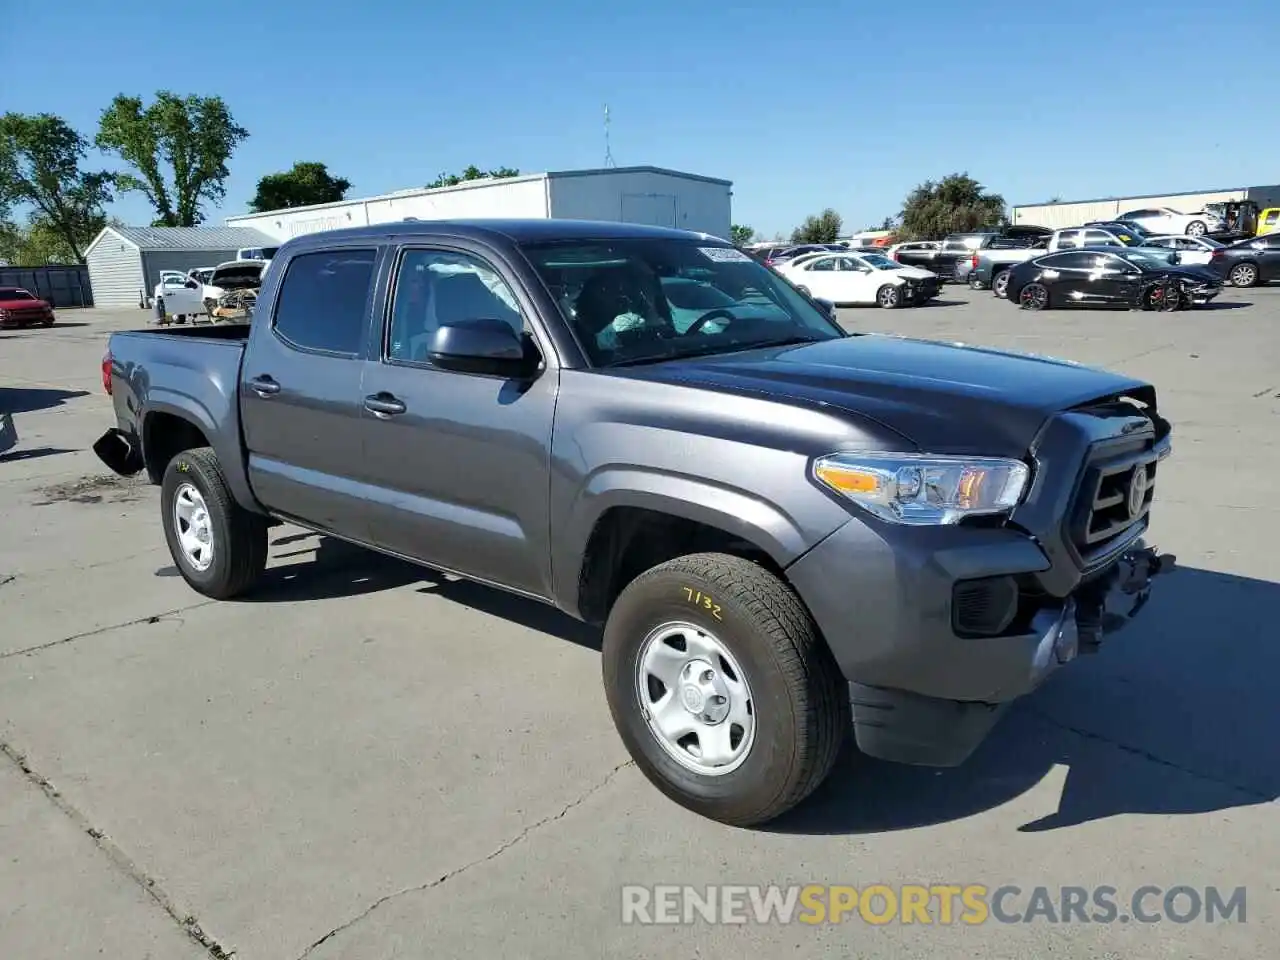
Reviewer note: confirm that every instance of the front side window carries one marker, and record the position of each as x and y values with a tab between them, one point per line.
324	300
440	286
643	300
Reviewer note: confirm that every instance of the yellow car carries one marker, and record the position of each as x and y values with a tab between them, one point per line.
1269	221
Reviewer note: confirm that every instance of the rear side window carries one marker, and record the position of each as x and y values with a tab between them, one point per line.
324	300
1271	217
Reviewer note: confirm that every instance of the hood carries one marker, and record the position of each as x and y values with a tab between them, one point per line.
238	275
943	397
1198	272
13	303
915	272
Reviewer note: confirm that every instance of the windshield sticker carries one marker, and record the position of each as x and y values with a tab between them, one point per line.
724	254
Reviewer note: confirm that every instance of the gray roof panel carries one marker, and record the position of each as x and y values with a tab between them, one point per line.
194	238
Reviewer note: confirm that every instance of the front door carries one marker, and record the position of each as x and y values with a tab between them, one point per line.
459	472
300	400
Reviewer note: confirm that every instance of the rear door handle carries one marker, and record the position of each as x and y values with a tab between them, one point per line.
384	405
264	386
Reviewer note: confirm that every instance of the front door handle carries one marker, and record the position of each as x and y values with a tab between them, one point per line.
383	405
264	386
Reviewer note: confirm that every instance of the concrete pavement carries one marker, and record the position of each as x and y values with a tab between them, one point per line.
367	760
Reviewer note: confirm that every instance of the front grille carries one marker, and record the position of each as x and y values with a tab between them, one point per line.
1114	497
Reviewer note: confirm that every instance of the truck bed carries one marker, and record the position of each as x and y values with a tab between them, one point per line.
205	331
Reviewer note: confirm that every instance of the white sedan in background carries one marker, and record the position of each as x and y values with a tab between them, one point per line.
862	278
1165	221
1189	249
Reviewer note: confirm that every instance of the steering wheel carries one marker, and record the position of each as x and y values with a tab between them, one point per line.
707	317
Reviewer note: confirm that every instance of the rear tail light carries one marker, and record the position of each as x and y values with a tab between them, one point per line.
106	372
1217	255
973	262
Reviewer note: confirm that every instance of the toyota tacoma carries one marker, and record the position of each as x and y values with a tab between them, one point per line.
787	531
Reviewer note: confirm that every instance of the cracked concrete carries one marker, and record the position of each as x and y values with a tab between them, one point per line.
458	871
367	761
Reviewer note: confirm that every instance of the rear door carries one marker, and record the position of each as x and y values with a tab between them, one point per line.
300	401
459	477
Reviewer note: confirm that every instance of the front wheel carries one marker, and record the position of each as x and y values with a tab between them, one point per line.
219	547
1196	228
889	296
1034	296
1163	297
721	688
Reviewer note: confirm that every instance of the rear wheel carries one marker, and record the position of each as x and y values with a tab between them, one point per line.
1034	296
1243	275
1196	228
1000	284
889	296
219	547
721	688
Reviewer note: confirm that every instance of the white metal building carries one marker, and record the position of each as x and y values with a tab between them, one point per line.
1075	212
125	262
650	195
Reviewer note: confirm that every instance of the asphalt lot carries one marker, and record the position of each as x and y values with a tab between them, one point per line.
365	760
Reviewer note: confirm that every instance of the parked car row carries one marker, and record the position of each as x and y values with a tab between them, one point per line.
849	278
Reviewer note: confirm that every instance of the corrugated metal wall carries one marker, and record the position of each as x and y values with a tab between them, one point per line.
153	261
1060	215
61	286
115	273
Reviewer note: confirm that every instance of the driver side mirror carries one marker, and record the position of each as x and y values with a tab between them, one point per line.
485	346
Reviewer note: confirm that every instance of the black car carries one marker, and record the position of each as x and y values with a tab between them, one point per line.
1250	262
1111	277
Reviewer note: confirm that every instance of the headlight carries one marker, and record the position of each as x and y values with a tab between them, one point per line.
924	490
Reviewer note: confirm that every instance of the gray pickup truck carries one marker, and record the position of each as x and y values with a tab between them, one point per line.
787	531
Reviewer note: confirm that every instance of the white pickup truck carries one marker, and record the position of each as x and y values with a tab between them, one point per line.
197	294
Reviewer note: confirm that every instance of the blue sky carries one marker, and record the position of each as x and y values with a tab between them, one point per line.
803	105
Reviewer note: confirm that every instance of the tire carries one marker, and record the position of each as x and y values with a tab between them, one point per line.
799	712
1034	296
1162	298
209	305
1000	284
236	537
1244	275
889	297
1197	228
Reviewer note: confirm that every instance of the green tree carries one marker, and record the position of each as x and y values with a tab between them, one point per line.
302	185
472	173
823	228
955	204
40	157
194	136
740	235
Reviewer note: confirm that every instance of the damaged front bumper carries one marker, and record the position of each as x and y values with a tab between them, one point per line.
908	727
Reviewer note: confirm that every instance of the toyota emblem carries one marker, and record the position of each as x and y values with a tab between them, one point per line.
1137	491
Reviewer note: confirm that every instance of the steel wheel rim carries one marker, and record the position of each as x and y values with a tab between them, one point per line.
889	296
193	526
1001	285
1034	297
1243	275
695	699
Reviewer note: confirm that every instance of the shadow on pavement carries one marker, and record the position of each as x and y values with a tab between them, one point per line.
35	453
340	569
1176	715
29	400
1224	305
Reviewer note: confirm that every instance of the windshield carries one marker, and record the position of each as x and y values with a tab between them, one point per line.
642	300
15	293
880	261
1211	243
1149	257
